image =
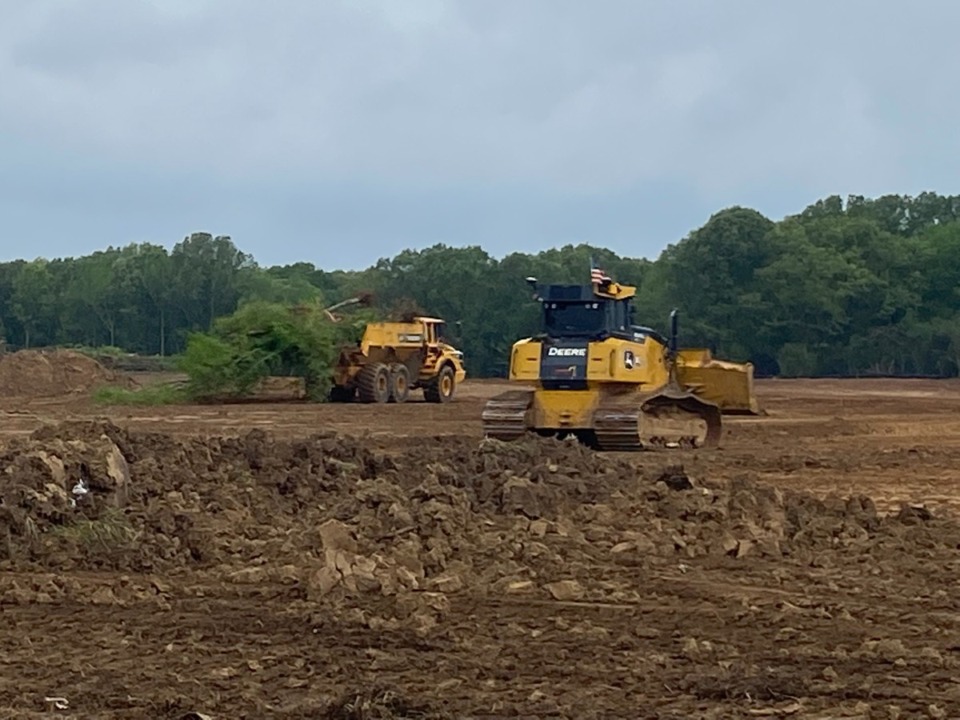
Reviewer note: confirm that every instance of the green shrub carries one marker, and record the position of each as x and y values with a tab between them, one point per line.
266	339
215	368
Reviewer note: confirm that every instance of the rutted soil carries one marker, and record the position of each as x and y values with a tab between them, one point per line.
147	574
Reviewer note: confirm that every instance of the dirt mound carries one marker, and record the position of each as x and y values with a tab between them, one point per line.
336	520
441	516
462	574
50	373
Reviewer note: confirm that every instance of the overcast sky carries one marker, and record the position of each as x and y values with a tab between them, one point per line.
339	132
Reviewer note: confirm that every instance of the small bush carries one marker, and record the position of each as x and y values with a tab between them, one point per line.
266	339
218	368
111	530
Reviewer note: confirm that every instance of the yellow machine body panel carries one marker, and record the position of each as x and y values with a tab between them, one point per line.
611	360
564	409
392	334
728	384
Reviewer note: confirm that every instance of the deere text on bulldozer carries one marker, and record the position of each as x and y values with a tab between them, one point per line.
393	358
615	385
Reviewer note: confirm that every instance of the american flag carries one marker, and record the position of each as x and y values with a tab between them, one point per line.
598	276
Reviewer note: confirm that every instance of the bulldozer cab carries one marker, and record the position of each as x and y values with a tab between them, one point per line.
575	311
590	312
580	318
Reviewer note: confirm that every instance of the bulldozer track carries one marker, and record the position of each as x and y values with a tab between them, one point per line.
504	416
617	428
631	425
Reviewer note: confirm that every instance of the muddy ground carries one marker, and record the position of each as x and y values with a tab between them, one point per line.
301	561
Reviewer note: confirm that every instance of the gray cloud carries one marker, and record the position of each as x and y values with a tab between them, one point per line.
343	131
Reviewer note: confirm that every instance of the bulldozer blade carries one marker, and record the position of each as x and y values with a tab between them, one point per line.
727	385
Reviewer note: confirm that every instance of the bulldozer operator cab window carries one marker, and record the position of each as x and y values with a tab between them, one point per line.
582	318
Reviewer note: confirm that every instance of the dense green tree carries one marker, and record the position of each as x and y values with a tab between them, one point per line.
145	276
34	303
92	299
846	286
710	277
207	276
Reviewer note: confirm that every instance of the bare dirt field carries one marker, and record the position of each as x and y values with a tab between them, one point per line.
290	560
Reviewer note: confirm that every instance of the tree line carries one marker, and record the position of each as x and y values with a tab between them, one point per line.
847	287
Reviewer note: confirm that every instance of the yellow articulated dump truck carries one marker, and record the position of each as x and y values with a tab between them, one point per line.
393	358
594	374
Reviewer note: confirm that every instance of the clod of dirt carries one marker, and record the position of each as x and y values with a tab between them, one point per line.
675	478
51	373
914	515
42	486
565	590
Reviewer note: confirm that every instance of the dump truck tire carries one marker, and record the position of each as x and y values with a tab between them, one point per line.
441	388
373	383
399	383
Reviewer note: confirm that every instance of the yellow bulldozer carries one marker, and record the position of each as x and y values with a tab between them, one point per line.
594	374
393	358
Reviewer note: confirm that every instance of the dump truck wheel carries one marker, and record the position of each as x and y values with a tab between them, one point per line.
399	383
441	388
373	383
